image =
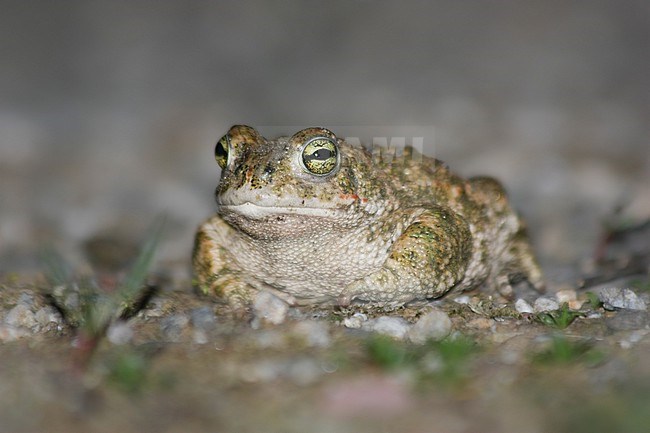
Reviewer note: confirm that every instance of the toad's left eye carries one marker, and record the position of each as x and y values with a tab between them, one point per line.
320	156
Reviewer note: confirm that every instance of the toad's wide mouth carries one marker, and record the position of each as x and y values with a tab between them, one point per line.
253	211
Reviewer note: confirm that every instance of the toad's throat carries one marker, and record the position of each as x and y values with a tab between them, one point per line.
253	211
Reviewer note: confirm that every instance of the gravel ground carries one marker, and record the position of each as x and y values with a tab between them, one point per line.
469	363
108	116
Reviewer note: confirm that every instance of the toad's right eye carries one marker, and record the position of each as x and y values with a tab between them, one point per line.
221	151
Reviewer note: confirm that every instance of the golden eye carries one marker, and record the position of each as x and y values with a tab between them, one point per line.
221	151
320	156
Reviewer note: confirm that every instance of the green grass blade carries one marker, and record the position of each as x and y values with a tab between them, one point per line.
132	285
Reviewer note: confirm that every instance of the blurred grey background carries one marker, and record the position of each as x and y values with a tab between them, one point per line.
109	110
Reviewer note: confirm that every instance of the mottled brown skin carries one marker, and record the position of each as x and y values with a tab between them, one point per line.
381	230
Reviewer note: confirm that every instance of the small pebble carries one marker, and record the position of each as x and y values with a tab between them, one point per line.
156	308
395	327
626	299
576	304
545	304
463	299
199	336
434	325
355	321
523	307
269	308
47	315
26	299
172	327
203	321
567	295
21	316
119	333
570	297
203	318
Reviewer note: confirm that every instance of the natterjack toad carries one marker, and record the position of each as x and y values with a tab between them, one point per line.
314	219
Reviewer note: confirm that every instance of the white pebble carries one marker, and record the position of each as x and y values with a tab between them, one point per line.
568	296
173	326
47	315
523	307
119	333
621	298
21	317
434	325
355	321
199	336
395	327
545	304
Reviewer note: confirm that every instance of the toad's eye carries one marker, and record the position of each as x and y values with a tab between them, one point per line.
221	151
320	156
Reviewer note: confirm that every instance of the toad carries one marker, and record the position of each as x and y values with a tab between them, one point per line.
314	219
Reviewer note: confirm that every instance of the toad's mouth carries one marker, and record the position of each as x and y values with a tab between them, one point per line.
253	211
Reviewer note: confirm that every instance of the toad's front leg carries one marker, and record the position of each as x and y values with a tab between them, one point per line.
427	260
215	271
